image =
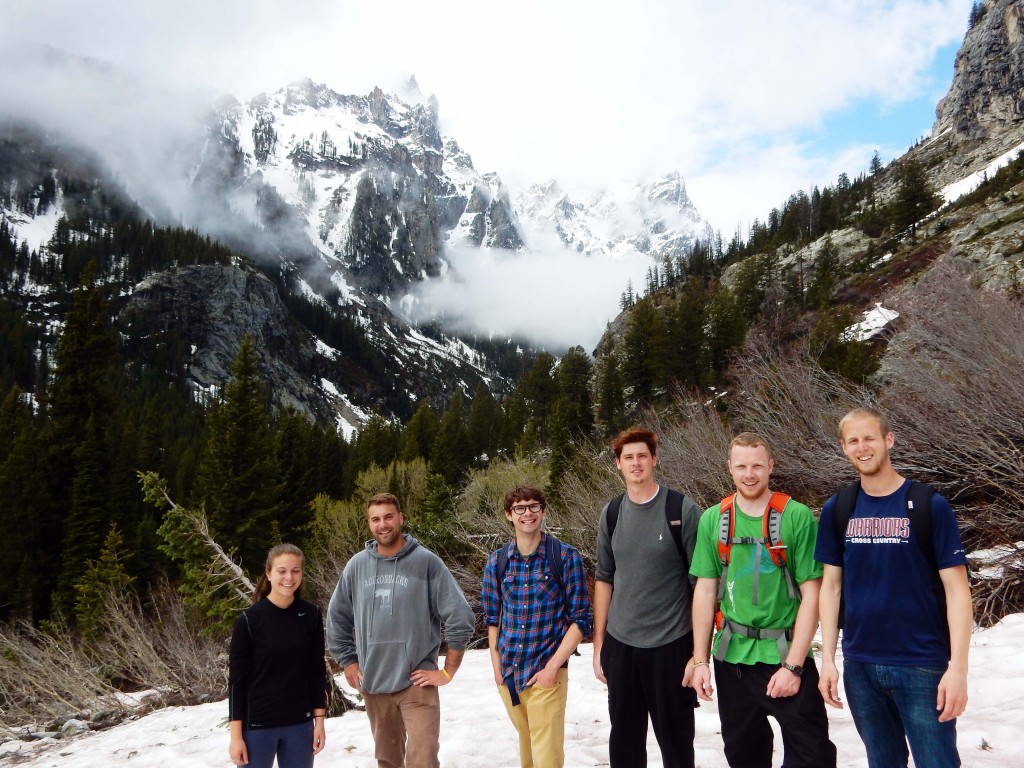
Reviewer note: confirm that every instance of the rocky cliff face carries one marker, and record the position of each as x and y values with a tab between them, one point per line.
982	116
212	307
986	99
209	309
366	182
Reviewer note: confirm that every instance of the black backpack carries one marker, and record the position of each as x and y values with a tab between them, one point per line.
553	552
673	515
919	511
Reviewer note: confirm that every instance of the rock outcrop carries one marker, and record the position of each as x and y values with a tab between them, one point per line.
986	99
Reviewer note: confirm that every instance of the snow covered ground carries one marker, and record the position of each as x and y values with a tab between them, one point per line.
475	731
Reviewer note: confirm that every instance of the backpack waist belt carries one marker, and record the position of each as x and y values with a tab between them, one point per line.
730	628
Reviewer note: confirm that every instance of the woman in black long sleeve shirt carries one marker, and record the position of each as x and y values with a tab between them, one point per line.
277	678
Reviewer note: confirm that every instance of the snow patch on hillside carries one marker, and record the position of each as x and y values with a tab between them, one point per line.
970	183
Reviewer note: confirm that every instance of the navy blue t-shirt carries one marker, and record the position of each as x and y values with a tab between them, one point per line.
892	615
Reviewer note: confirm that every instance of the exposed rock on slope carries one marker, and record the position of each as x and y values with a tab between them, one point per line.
982	116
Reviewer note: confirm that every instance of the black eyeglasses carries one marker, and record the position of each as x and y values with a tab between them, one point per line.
520	509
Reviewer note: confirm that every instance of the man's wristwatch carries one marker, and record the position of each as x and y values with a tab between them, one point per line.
793	668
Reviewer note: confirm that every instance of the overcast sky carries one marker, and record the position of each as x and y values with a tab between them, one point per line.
749	100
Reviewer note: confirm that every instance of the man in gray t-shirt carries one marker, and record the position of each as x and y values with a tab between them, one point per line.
643	637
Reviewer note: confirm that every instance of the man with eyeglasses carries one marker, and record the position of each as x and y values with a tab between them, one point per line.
536	608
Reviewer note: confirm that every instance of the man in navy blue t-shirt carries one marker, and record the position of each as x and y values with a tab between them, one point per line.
904	660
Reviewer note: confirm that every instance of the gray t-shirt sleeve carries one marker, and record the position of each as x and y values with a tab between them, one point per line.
605	570
691	519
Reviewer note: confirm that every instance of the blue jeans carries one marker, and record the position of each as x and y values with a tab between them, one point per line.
893	705
292	745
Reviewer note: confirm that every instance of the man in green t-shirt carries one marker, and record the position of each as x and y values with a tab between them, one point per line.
767	618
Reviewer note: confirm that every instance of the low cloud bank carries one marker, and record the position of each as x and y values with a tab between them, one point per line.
555	298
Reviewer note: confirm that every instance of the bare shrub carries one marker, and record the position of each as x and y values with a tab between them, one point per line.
998	582
479	522
590	481
956	397
956	393
787	398
45	678
339	529
794	403
48	676
691	458
161	647
692	446
479	511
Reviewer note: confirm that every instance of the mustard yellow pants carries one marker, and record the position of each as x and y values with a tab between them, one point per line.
540	721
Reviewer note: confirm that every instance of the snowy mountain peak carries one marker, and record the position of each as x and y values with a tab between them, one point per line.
657	219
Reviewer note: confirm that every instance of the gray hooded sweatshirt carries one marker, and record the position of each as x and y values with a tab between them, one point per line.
386	613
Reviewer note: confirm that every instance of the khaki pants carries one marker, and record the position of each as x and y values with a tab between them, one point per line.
540	721
406	726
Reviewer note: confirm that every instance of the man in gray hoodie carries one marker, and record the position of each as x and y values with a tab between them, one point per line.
384	629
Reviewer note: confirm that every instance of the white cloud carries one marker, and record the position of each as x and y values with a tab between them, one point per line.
556	297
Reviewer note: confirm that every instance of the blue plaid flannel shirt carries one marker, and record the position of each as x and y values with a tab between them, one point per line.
534	618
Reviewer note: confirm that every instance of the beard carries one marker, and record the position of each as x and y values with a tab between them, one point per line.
749	493
388	539
872	467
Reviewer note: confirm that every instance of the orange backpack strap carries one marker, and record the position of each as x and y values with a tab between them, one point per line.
772	528
726	528
773	540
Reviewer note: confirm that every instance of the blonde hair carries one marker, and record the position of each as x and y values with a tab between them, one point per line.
862	413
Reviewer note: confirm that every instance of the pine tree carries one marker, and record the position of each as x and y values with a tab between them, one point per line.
513	426
645	353
562	447
379	442
977	14
687	362
726	330
914	197
419	433
450	455
102	578
484	427
211	580
239	479
540	390
572	378
826	277
434	517
29	546
836	351
750	284
876	164
294	440
83	422
611	403
82	539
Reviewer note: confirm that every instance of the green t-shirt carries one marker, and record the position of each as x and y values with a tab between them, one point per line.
774	609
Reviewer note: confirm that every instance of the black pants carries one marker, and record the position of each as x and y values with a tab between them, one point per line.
644	681
744	708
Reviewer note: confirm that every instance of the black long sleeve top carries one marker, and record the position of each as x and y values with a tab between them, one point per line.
276	672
